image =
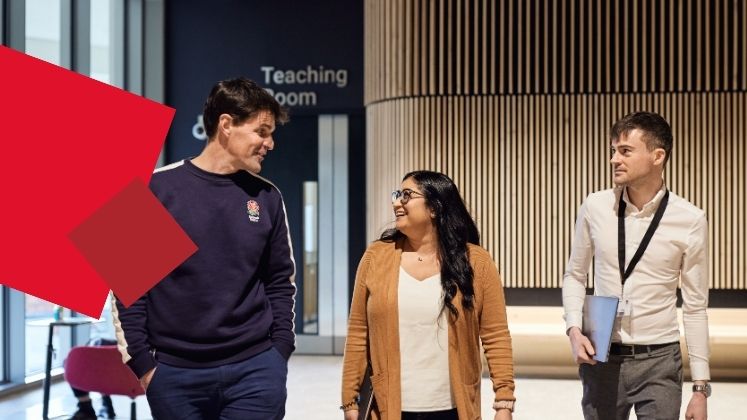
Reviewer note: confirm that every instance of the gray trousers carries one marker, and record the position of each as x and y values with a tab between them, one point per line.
651	382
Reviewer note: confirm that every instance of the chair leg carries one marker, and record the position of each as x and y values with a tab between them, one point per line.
133	410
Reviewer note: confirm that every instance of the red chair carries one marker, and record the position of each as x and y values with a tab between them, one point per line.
100	369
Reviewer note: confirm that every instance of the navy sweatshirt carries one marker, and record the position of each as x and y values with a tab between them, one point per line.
234	297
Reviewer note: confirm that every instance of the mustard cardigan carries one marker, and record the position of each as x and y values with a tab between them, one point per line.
373	332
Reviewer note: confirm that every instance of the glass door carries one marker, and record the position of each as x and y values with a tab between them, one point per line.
323	288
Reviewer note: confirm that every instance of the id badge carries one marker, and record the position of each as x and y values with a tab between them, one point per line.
624	308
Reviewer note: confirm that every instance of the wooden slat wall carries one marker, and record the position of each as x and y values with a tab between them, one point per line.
524	164
514	100
445	47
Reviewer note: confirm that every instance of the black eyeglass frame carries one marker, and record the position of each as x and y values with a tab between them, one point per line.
404	196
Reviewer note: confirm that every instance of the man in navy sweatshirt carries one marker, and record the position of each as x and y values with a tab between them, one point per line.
212	339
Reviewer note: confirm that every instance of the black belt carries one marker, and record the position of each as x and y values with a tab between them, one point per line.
619	349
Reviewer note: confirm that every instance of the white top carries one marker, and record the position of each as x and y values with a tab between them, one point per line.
423	345
676	255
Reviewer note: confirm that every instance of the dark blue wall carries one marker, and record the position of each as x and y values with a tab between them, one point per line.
207	41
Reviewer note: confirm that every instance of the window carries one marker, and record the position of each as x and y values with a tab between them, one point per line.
38	313
105	327
102	35
3	331
43	29
48	30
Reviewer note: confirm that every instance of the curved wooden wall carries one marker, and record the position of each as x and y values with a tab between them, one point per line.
514	100
473	47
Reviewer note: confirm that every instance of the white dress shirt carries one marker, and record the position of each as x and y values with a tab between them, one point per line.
676	256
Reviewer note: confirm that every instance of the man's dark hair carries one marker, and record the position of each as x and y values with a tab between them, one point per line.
656	130
242	99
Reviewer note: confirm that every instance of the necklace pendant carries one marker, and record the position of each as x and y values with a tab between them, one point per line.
420	258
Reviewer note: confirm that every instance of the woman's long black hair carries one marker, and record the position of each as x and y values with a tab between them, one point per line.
455	229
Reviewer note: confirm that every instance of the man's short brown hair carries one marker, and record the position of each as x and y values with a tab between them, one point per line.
242	99
656	130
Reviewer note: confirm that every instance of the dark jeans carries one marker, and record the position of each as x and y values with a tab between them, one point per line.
431	415
650	382
251	389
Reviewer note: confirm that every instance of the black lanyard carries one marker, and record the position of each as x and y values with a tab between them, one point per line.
625	273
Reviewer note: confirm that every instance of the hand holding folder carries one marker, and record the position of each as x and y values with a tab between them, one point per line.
599	320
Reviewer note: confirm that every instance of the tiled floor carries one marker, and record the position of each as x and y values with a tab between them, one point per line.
313	394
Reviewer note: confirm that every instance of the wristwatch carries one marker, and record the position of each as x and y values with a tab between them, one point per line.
705	389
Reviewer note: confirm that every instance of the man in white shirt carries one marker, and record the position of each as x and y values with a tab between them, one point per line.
660	243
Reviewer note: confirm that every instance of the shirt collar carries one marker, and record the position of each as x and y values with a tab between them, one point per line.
649	207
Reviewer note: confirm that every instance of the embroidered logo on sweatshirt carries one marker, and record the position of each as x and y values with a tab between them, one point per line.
252	209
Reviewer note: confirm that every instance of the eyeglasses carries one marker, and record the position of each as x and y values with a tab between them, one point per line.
404	195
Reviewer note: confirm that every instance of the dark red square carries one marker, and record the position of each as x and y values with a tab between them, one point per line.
132	242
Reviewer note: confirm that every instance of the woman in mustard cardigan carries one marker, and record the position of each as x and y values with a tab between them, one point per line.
425	295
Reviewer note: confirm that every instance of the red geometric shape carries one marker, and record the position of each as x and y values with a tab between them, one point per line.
70	144
132	242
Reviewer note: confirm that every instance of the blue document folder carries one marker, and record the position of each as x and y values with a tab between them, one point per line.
599	319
